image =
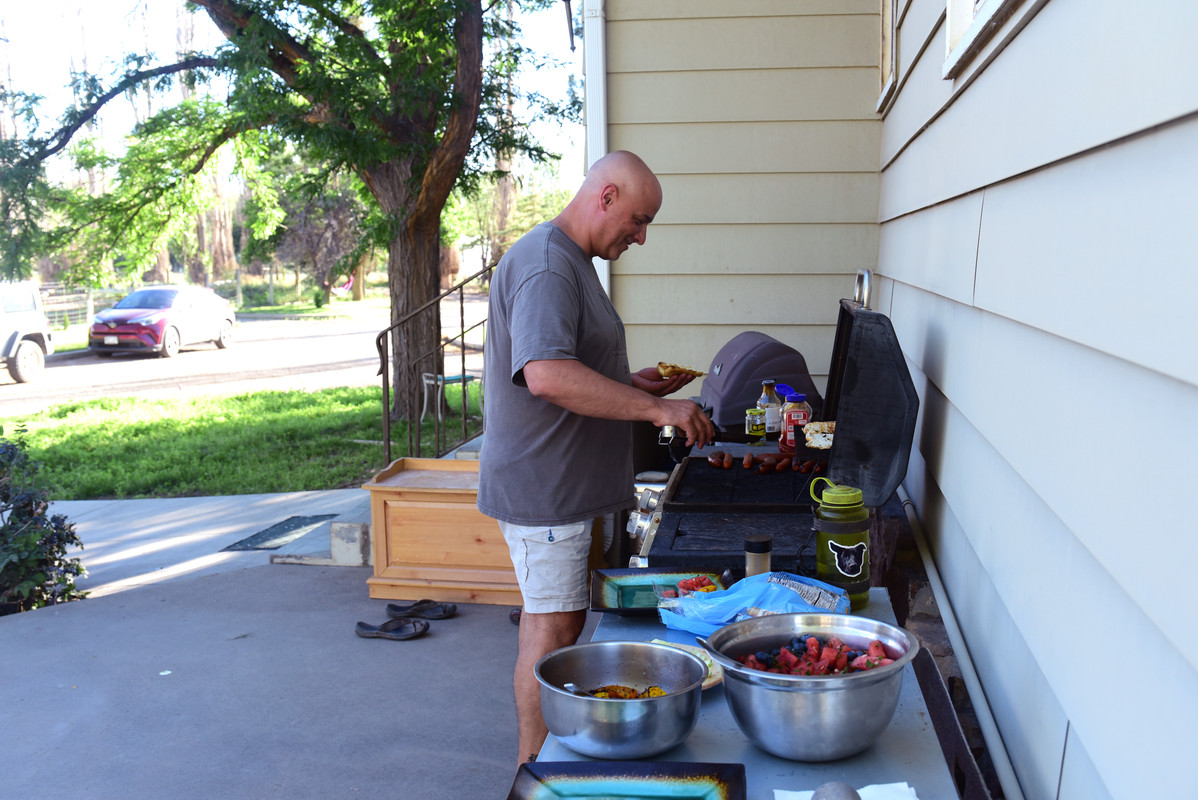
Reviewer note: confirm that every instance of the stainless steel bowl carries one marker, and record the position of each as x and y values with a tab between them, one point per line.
621	729
816	717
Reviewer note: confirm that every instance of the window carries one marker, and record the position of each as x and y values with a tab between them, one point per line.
888	54
972	24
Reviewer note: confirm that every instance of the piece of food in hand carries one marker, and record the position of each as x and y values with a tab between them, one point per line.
670	370
819	434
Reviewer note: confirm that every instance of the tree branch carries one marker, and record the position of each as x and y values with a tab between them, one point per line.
349	29
63	136
446	160
284	51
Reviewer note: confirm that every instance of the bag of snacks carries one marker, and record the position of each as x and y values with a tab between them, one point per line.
703	613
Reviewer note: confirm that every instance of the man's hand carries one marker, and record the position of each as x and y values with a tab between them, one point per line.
575	387
689	418
650	380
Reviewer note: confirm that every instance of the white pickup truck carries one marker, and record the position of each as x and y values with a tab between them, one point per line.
25	338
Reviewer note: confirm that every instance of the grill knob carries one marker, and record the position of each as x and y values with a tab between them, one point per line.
648	500
642	527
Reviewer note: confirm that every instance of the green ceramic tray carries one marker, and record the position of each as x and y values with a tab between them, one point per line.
635	591
676	780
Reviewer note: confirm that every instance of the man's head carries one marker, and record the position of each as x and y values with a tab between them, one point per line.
618	199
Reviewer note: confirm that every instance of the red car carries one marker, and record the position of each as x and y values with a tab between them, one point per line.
162	319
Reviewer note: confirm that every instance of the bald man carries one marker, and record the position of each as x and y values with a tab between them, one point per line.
557	452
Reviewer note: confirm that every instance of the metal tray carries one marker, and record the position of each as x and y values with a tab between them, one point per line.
676	780
632	592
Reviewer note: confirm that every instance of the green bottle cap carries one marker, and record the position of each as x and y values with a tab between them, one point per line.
841	496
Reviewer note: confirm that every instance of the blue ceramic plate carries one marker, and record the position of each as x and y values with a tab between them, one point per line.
635	591
644	780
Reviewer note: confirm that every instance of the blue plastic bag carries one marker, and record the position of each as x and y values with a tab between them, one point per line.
704	613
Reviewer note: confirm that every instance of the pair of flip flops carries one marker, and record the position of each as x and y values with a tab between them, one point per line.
407	622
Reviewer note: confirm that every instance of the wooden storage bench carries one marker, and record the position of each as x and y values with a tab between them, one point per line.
429	539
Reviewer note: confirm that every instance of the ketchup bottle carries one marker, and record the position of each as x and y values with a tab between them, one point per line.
795	414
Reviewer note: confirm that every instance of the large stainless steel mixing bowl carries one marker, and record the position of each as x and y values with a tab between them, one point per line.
811	717
621	729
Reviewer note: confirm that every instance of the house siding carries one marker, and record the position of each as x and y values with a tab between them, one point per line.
1036	258
759	118
1031	229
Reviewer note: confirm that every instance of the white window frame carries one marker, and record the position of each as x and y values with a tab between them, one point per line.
888	53
971	24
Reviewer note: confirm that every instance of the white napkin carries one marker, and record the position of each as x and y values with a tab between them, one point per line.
878	791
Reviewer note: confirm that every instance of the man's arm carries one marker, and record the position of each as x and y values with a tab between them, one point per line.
578	388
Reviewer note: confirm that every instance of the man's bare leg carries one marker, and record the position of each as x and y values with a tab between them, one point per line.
540	634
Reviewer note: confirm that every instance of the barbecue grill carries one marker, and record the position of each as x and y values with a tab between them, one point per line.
701	516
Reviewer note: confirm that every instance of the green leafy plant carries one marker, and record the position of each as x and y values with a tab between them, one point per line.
35	569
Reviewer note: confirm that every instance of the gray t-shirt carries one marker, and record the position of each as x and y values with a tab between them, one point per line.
541	464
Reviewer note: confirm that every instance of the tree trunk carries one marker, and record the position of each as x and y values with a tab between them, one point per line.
198	269
224	260
162	271
415	347
414	194
505	186
360	270
413	278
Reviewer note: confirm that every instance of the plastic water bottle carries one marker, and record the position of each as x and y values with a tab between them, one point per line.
842	540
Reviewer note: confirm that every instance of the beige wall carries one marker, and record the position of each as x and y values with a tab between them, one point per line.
1031	227
758	116
1037	252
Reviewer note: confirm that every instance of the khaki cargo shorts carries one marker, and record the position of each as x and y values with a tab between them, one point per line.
551	565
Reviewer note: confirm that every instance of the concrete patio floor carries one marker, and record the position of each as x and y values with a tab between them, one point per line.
196	672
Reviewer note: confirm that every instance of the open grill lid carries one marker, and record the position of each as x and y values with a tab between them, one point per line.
873	400
870	395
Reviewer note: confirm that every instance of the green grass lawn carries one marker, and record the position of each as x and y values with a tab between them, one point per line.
254	443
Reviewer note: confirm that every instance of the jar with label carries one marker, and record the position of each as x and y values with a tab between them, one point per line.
755	424
841	524
795	414
771	403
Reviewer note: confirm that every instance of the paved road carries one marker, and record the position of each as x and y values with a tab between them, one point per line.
268	354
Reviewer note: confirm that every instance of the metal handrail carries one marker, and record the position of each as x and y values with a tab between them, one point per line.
414	373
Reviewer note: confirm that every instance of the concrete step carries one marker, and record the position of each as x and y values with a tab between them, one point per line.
343	541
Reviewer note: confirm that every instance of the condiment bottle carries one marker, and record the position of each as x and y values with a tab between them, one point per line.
772	404
755	424
757	553
795	414
842	540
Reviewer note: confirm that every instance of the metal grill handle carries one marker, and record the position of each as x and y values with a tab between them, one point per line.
861	288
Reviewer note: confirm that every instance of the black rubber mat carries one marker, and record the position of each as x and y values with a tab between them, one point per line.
280	533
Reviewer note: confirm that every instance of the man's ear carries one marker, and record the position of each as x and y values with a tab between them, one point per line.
608	194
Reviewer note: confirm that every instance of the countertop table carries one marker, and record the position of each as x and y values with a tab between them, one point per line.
908	751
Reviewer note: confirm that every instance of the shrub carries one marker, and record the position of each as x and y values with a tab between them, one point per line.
35	570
